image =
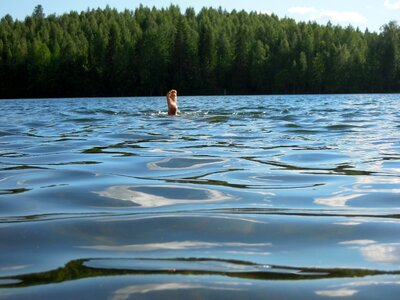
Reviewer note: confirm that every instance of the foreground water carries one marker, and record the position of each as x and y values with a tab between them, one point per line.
238	197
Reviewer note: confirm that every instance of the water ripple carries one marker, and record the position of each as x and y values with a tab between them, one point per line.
248	195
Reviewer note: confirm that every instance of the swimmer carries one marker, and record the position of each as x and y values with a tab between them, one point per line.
172	101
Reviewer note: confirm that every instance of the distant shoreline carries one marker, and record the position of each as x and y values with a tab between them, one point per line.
227	95
213	52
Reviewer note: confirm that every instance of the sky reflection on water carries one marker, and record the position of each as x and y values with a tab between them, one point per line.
239	196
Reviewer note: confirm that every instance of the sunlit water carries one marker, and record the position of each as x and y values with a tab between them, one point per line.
238	197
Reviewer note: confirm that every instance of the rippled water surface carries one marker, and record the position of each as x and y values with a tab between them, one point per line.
238	197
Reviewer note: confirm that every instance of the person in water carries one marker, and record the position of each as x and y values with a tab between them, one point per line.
172	101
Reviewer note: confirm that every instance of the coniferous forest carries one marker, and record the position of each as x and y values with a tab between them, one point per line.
147	51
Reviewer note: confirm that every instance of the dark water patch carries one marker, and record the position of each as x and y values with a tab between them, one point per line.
13	191
257	183
210	182
61	140
341	127
292	125
340	169
13	154
85	120
289	118
217	119
217	144
203	180
138	138
350	171
86	162
40	137
6	133
94	150
52	217
22	167
189	139
304	131
45	160
102	150
355	216
311	148
35	124
107	112
388	157
280	146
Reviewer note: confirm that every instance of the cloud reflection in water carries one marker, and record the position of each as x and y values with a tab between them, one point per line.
363	186
157	195
349	289
337	293
179	245
382	253
127	292
184	163
376	252
336	201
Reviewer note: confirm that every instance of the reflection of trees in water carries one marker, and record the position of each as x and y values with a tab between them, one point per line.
77	269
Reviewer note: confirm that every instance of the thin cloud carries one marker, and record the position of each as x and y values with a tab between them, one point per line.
392	5
328	15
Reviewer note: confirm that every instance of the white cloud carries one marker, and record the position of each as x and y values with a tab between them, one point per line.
328	15
392	5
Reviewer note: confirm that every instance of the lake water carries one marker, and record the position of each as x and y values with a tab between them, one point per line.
238	198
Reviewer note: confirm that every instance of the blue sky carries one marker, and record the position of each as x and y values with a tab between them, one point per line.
371	14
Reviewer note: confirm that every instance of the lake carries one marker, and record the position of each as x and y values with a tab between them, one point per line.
239	197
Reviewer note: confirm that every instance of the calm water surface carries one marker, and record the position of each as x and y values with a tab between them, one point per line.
239	197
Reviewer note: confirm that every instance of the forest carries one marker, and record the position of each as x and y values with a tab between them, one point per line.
146	51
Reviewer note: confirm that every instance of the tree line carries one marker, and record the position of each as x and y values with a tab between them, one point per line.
147	51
